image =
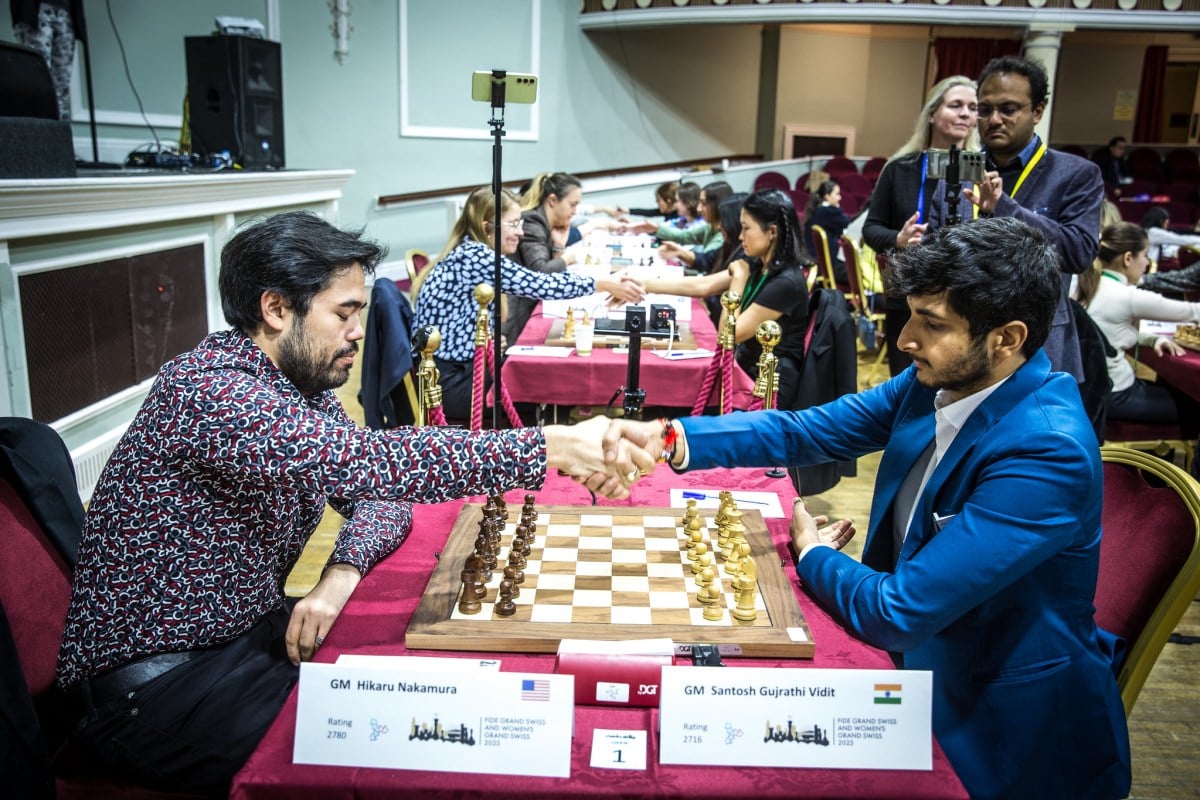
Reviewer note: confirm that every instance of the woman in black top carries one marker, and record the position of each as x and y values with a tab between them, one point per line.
770	279
896	216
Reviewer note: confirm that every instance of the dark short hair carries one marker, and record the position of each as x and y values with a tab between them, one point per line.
1155	217
992	270
297	254
774	207
1032	71
1115	141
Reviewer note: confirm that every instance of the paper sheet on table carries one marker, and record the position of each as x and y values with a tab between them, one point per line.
765	502
1158	328
539	350
682	355
637	647
417	663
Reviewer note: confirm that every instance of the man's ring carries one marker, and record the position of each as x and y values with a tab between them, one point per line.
633	475
320	640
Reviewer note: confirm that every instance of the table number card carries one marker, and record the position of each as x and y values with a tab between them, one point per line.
476	721
849	719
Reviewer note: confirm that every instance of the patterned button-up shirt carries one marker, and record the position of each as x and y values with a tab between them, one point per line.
219	481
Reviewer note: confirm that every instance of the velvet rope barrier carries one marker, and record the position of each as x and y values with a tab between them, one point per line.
481	359
510	409
484	363
706	386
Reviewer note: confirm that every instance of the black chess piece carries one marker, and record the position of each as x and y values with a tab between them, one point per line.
505	606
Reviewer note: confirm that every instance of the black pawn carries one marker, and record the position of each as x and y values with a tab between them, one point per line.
505	606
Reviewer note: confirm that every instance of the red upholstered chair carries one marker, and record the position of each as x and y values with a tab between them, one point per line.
823	255
1181	161
1145	164
1139	186
866	304
1149	558
1159	438
873	167
416	264
771	180
853	183
35	589
840	165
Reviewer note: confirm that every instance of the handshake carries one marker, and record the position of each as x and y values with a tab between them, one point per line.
608	456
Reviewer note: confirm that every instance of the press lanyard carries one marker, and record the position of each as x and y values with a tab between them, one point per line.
921	190
1111	276
748	296
1037	156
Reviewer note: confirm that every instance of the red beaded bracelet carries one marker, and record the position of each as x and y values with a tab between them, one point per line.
670	435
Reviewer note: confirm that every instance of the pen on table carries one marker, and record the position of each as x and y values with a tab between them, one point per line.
703	496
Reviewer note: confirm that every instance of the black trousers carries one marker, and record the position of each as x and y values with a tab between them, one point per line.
1155	402
192	728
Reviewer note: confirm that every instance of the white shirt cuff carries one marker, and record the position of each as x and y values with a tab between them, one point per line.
808	549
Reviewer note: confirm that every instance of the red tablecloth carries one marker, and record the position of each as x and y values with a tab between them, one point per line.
1182	372
375	619
591	381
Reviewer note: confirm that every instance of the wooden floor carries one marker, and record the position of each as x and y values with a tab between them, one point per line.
1164	728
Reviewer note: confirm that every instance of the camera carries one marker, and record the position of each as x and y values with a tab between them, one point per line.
519	87
662	316
971	164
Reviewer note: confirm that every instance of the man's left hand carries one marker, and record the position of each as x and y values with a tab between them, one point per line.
314	615
807	529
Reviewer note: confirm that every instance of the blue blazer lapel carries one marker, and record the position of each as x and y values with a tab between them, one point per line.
1023	382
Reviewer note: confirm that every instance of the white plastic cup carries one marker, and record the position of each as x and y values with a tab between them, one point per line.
585	334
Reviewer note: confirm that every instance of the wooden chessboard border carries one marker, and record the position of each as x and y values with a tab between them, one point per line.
432	628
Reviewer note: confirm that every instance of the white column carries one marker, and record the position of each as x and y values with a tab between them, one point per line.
1042	43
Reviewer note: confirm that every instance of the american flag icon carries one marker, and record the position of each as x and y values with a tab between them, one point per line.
535	689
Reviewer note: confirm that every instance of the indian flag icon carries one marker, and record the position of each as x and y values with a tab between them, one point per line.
887	693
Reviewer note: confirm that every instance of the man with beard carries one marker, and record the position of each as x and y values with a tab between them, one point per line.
179	642
1055	192
983	547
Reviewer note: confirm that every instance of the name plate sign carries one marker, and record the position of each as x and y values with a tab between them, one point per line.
839	719
477	721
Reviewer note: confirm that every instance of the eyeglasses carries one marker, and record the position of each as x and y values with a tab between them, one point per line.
1006	110
515	225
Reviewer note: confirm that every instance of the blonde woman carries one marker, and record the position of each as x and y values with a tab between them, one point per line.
896	216
447	296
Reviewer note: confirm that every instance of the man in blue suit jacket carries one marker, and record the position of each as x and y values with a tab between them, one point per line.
981	556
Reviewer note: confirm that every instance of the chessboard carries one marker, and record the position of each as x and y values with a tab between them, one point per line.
610	573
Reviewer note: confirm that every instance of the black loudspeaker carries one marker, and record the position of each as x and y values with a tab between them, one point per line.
235	99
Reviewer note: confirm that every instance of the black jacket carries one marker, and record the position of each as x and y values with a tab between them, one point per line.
830	370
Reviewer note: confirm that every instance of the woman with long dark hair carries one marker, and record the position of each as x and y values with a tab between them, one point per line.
770	280
1115	303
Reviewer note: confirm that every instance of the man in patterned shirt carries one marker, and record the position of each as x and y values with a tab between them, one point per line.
179	640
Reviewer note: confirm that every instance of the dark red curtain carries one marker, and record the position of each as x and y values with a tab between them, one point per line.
969	56
1147	126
